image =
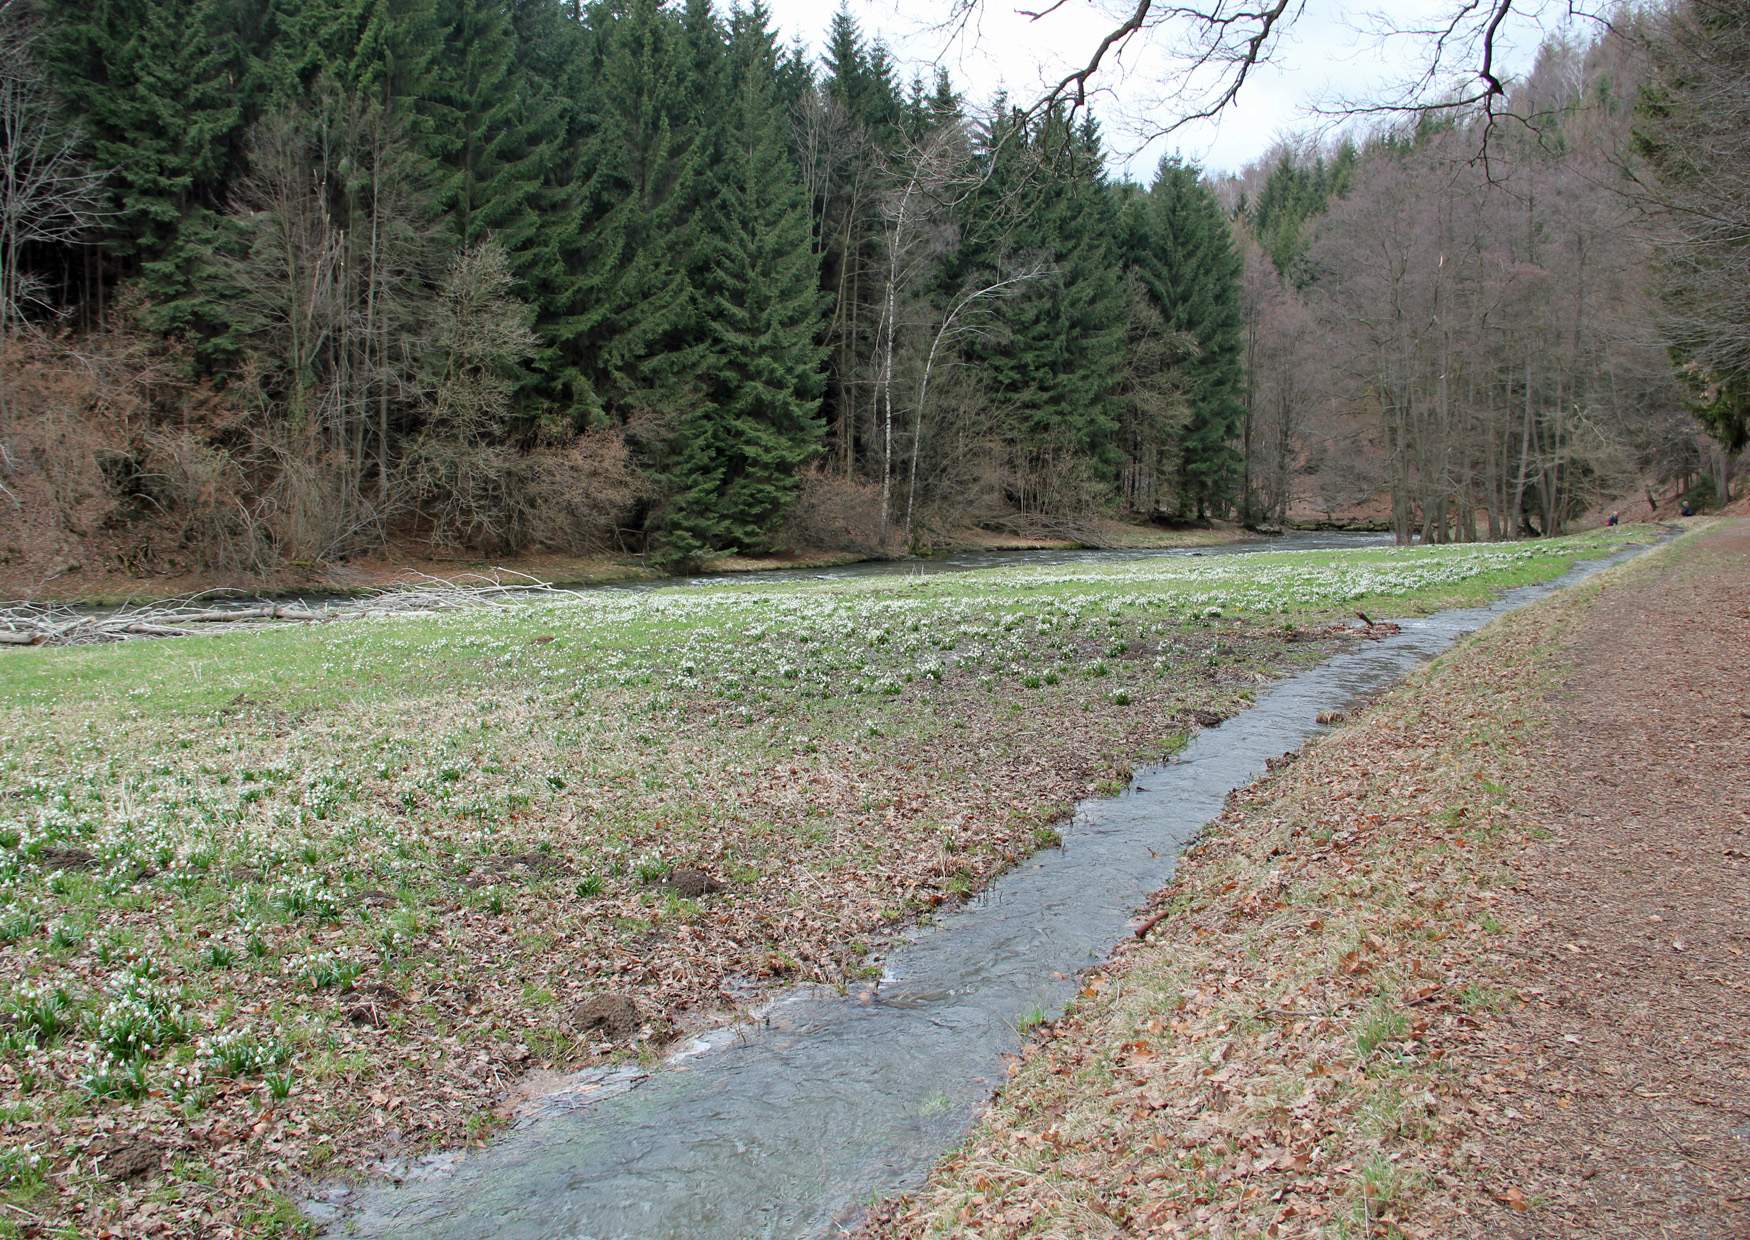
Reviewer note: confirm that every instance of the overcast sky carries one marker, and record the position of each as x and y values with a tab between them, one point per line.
1332	50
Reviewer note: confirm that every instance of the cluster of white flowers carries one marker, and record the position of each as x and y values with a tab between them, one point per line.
236	1052
19	1164
141	1014
305	893
184	1082
324	969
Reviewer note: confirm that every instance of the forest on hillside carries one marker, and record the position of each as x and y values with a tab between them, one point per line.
289	281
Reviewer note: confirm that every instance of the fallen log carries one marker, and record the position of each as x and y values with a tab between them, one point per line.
223	615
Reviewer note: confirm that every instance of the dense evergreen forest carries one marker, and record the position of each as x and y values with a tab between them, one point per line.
286	280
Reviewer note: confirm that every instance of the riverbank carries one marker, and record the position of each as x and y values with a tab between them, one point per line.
1105	535
1426	979
281	905
372	574
76	582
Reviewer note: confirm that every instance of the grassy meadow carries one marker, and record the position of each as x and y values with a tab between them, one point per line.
278	905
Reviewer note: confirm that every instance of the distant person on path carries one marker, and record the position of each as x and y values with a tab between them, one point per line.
1611	520
1688	509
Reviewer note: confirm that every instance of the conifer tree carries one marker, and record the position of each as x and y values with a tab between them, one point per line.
490	174
498	133
845	64
945	102
1179	245
551	62
156	85
795	76
641	339
1058	364
739	455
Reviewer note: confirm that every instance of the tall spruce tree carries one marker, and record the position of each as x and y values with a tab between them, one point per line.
498	132
1180	247
739	455
552	66
156	86
1057	365
642	338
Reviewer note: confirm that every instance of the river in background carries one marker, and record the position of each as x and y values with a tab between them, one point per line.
337	603
791	1125
967	561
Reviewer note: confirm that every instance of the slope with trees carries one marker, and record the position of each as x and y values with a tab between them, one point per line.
760	297
772	302
1472	311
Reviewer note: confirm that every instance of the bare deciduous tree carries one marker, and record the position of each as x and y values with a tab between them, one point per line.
458	467
48	196
929	180
329	291
1495	319
958	322
1210	49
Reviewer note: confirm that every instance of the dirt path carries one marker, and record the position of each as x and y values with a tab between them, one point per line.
1625	1107
1476	964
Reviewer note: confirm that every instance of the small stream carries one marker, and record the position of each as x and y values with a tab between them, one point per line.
792	1125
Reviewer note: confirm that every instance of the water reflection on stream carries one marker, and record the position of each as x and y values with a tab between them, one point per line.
788	1127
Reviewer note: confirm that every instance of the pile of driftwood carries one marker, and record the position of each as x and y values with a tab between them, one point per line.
60	624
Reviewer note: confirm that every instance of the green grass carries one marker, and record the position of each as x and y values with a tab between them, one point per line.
270	824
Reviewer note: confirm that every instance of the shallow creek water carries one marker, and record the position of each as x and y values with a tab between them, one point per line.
791	1125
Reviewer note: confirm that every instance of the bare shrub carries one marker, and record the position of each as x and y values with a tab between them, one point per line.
459	476
578	496
959	485
1055	482
833	512
203	495
463	491
114	458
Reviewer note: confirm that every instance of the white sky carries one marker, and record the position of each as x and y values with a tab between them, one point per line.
1331	51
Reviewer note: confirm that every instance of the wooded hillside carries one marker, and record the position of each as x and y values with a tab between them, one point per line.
287	281
1480	316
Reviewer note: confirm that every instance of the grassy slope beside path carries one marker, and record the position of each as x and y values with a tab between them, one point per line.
1306	1044
275	904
